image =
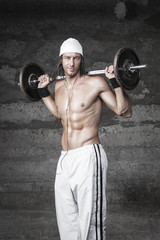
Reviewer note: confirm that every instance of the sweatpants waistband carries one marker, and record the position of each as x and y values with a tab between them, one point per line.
77	150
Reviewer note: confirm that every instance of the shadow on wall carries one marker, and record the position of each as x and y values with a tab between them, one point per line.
49	8
141	193
131	10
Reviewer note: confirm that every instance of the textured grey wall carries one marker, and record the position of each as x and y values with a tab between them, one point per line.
32	31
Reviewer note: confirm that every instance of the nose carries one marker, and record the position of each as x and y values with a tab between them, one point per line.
71	62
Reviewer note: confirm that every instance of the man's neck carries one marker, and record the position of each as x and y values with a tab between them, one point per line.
70	80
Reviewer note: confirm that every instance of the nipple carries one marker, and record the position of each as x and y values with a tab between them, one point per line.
82	105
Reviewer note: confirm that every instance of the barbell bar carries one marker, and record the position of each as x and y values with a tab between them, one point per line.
126	69
34	79
131	68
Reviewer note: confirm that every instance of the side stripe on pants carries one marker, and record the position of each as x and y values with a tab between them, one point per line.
99	193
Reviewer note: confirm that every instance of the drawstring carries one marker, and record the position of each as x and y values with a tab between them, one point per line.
67	113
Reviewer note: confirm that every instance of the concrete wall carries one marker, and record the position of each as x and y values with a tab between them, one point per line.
32	31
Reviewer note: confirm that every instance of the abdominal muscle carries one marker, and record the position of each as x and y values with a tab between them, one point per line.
79	138
80	109
80	129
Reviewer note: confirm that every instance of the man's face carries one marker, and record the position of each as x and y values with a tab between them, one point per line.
71	63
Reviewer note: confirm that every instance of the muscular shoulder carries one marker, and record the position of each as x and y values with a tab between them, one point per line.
58	84
99	83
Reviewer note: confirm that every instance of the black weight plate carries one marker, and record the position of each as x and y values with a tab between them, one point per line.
26	71
124	58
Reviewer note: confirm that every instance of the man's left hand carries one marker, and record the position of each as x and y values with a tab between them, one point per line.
109	72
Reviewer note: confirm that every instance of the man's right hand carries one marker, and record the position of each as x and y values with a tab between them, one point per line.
44	81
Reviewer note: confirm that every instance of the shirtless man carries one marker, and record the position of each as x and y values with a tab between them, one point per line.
80	185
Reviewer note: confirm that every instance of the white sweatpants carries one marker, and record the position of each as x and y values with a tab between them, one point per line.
80	193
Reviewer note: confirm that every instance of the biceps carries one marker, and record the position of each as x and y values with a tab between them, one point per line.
108	97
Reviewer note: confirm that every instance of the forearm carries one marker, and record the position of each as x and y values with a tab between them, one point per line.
123	103
51	105
120	100
49	101
44	93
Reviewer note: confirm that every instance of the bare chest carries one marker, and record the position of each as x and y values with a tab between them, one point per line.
76	100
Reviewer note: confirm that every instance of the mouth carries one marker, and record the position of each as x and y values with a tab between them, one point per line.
71	69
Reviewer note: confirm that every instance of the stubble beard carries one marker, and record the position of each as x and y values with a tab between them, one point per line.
72	74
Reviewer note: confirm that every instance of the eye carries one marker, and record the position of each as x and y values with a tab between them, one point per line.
77	58
66	58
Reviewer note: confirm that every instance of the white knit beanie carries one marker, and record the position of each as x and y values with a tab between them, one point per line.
71	45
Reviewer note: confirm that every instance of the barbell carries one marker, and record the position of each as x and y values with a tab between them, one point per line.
126	66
